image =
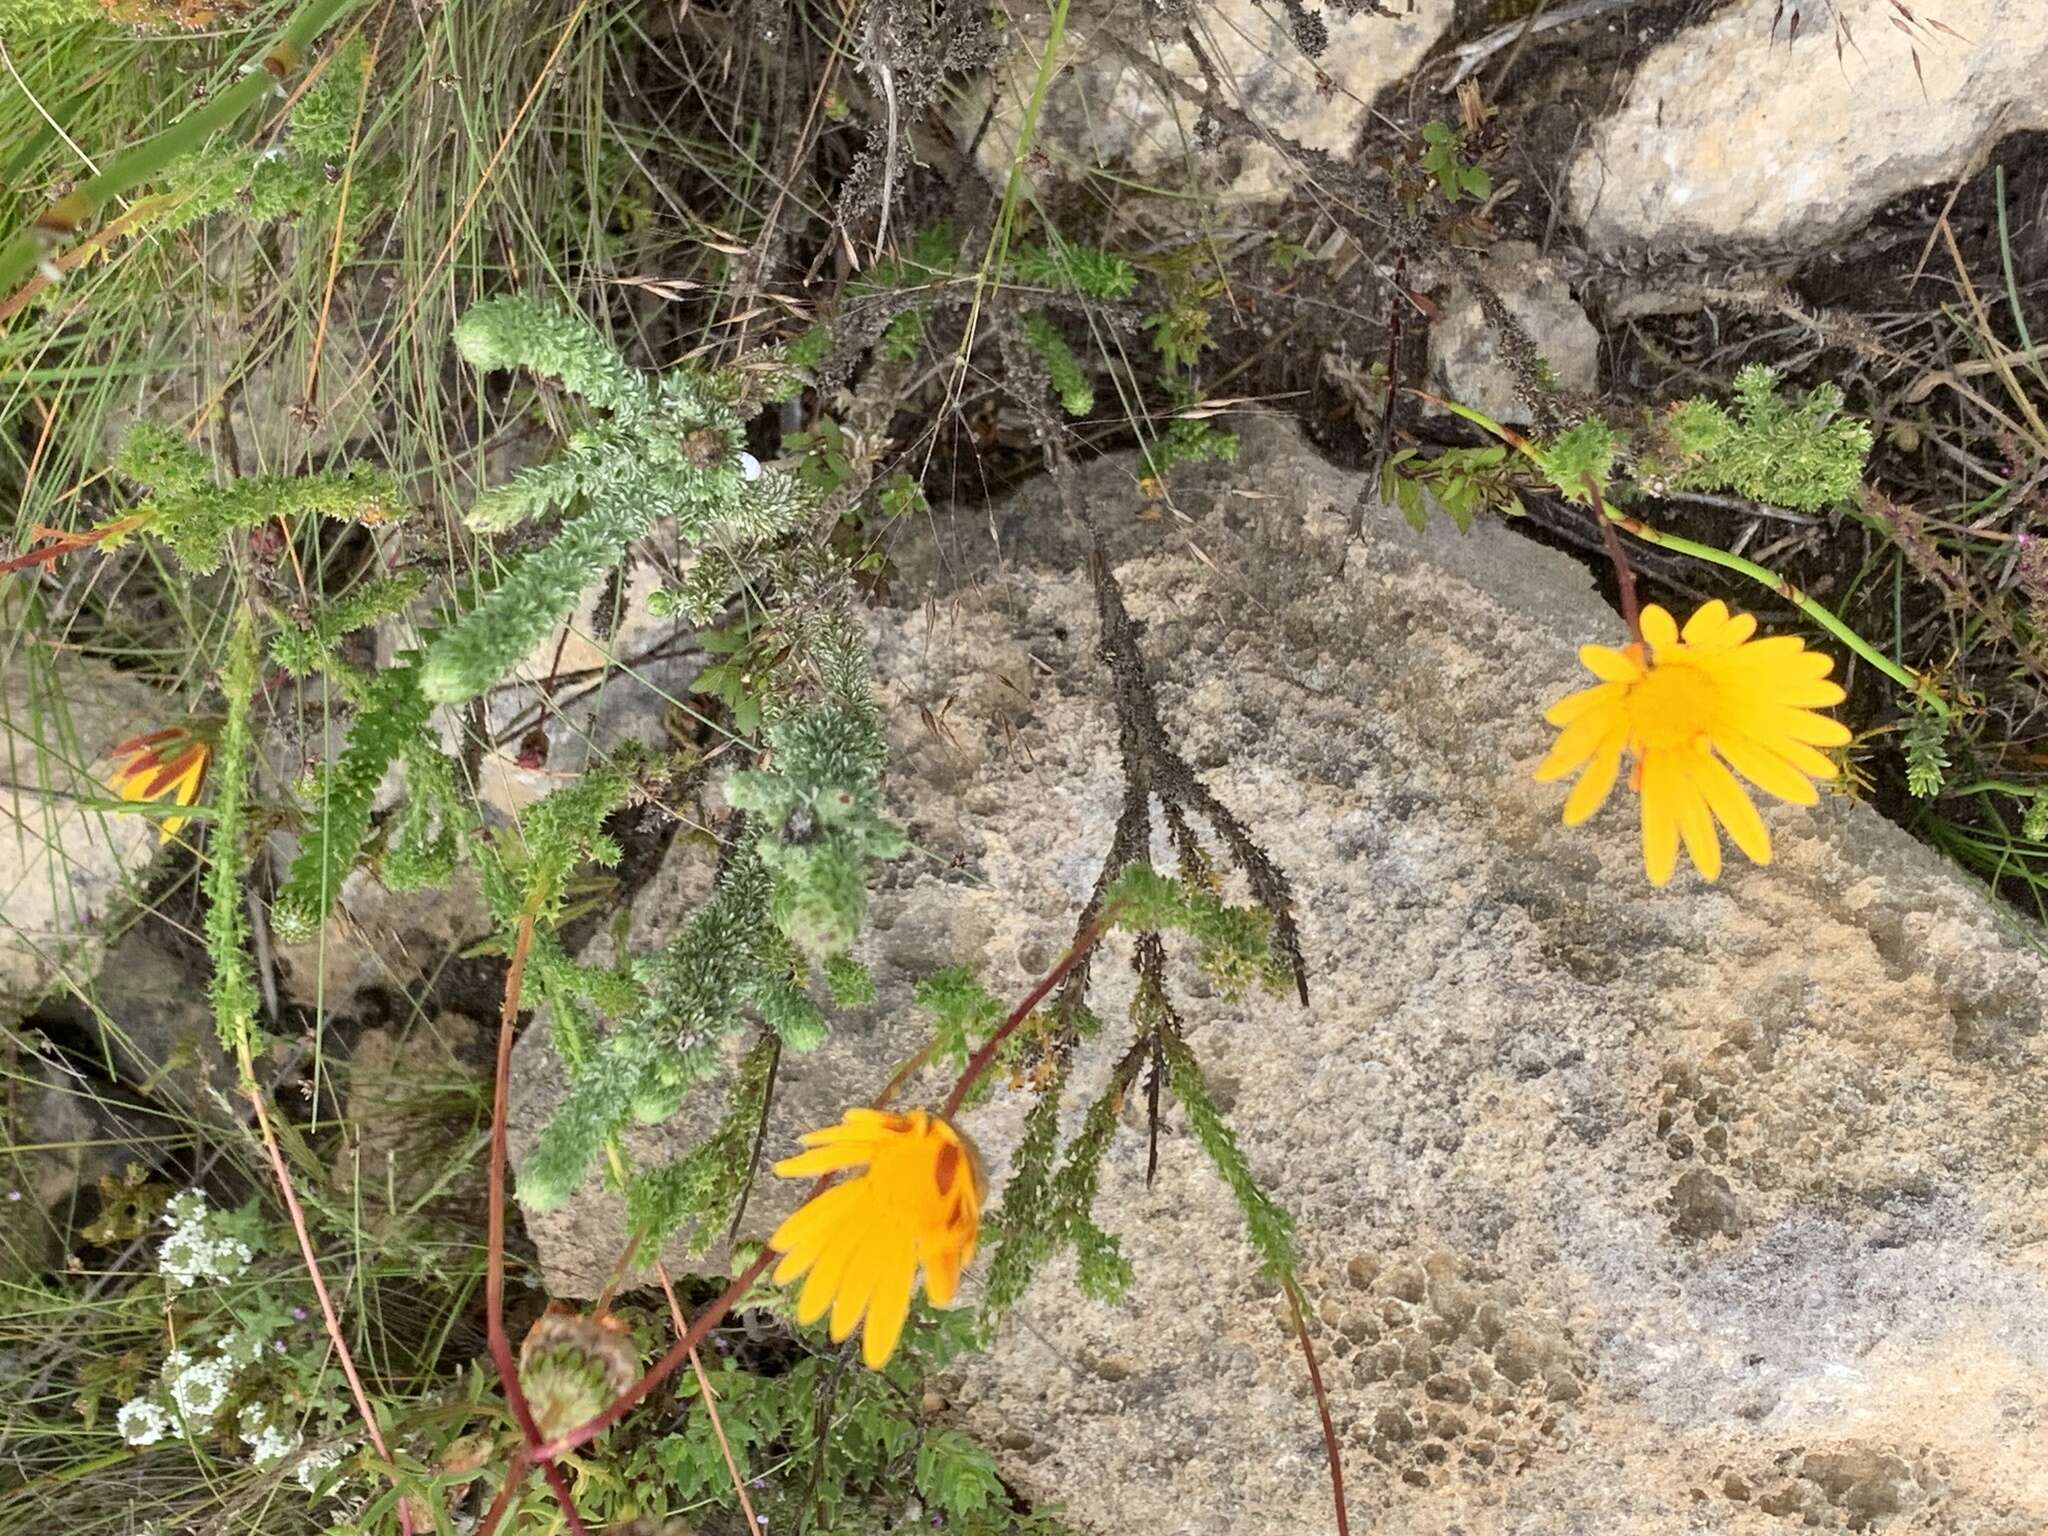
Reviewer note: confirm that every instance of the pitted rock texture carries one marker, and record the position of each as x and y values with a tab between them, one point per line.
1103	116
1712	1209
1730	136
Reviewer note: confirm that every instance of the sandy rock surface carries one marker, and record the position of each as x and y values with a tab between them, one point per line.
1720	1209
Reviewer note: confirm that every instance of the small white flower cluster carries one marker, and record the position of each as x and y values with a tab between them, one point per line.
197	1388
268	1441
192	1253
322	1458
141	1422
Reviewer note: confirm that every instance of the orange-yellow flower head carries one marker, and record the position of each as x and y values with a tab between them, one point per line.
1686	709
861	1241
163	763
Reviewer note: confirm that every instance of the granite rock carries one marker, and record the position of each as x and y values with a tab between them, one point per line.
1618	1209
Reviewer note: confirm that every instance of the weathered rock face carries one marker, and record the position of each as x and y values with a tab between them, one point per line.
1714	1209
1102	114
65	866
1464	355
1730	136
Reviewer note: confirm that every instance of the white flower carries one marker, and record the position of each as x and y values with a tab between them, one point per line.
318	1460
142	1422
186	1209
268	1442
191	1254
199	1390
750	467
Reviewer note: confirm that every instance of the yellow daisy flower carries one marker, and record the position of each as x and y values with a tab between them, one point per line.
861	1241
163	763
1686	709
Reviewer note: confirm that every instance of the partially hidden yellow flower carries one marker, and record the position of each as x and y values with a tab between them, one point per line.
163	763
917	1203
1686	709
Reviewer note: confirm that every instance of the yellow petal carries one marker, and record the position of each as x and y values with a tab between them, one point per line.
1660	630
1768	771
1799	725
889	1306
1735	810
1803	693
1573	705
863	1270
1706	623
1609	665
1591	792
1696	825
1660	821
821	1160
825	1279
1575	743
804	1234
942	1274
1804	758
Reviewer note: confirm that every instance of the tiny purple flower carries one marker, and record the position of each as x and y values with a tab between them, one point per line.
14	1194
277	1345
298	1314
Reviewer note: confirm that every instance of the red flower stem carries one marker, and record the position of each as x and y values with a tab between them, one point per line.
1624	573
979	1061
1315	1381
559	1486
515	1473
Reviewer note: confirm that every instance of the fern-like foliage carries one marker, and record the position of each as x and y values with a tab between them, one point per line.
701	1190
1924	739
670	446
301	177
309	647
392	720
1805	454
194	516
1269	1226
686	998
232	988
1069	379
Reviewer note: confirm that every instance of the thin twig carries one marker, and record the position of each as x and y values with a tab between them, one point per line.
732	1467
494	1272
327	1313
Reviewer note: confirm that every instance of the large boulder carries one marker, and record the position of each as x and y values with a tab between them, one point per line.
1730	135
1619	1210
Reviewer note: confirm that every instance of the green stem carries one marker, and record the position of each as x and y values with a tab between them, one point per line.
71	213
1027	133
1811	607
1919	687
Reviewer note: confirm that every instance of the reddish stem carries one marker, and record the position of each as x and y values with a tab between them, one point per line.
1315	1381
494	1272
545	1453
1624	573
666	1366
978	1062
